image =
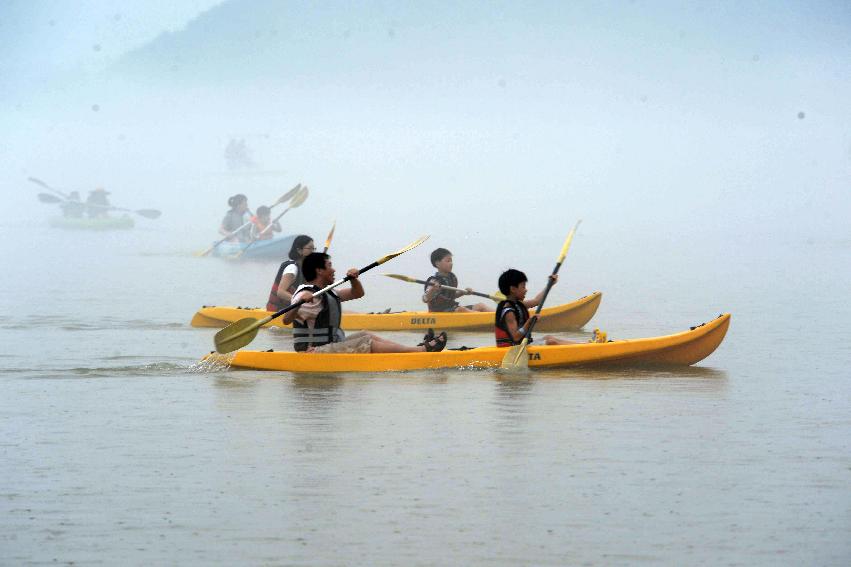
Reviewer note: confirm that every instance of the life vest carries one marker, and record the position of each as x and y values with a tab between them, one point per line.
275	303
326	327
445	299
259	227
521	314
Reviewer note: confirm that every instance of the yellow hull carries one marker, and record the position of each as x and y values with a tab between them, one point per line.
566	317
680	349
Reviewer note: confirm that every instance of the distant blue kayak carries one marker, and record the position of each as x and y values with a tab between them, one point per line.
274	249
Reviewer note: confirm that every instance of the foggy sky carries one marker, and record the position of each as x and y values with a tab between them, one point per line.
451	120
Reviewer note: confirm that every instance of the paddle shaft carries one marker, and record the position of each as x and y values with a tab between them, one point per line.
41	183
516	358
148	213
550	283
450	288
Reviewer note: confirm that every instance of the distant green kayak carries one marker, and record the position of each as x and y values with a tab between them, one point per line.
83	223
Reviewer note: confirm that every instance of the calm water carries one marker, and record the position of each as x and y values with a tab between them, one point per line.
117	449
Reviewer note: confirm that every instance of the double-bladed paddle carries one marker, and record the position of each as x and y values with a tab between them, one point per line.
496	296
297	201
517	358
282	199
238	334
41	183
147	213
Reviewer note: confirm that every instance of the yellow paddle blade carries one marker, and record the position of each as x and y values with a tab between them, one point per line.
567	242
330	236
410	246
237	335
516	358
498	296
288	195
300	198
401	277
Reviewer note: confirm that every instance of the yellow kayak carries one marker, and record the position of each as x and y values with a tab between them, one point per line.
566	317
679	349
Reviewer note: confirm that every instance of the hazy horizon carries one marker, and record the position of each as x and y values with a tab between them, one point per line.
631	116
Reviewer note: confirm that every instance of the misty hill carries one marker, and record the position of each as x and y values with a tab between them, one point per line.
251	39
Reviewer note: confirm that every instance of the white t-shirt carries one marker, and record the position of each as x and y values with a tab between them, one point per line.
291	269
308	312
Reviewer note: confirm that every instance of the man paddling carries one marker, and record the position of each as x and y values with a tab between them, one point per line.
316	323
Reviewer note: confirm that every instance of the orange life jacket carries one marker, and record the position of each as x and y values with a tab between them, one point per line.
521	314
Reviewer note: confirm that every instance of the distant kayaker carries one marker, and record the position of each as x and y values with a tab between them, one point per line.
97	204
439	299
316	324
289	273
235	218
512	319
261	221
73	207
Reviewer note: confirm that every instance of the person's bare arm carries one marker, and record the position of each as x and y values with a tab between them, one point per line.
356	290
535	301
285	283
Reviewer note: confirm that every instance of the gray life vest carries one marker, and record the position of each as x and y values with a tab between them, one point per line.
326	327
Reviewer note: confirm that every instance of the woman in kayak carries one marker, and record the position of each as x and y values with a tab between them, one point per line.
234	224
439	299
316	323
289	275
512	320
260	224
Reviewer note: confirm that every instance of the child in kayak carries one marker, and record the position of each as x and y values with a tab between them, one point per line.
439	299
316	323
289	275
236	218
512	319
260	229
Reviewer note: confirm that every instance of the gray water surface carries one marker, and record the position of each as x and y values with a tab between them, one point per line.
116	448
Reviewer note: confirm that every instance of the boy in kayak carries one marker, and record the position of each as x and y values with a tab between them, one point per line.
260	229
439	299
512	319
316	323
